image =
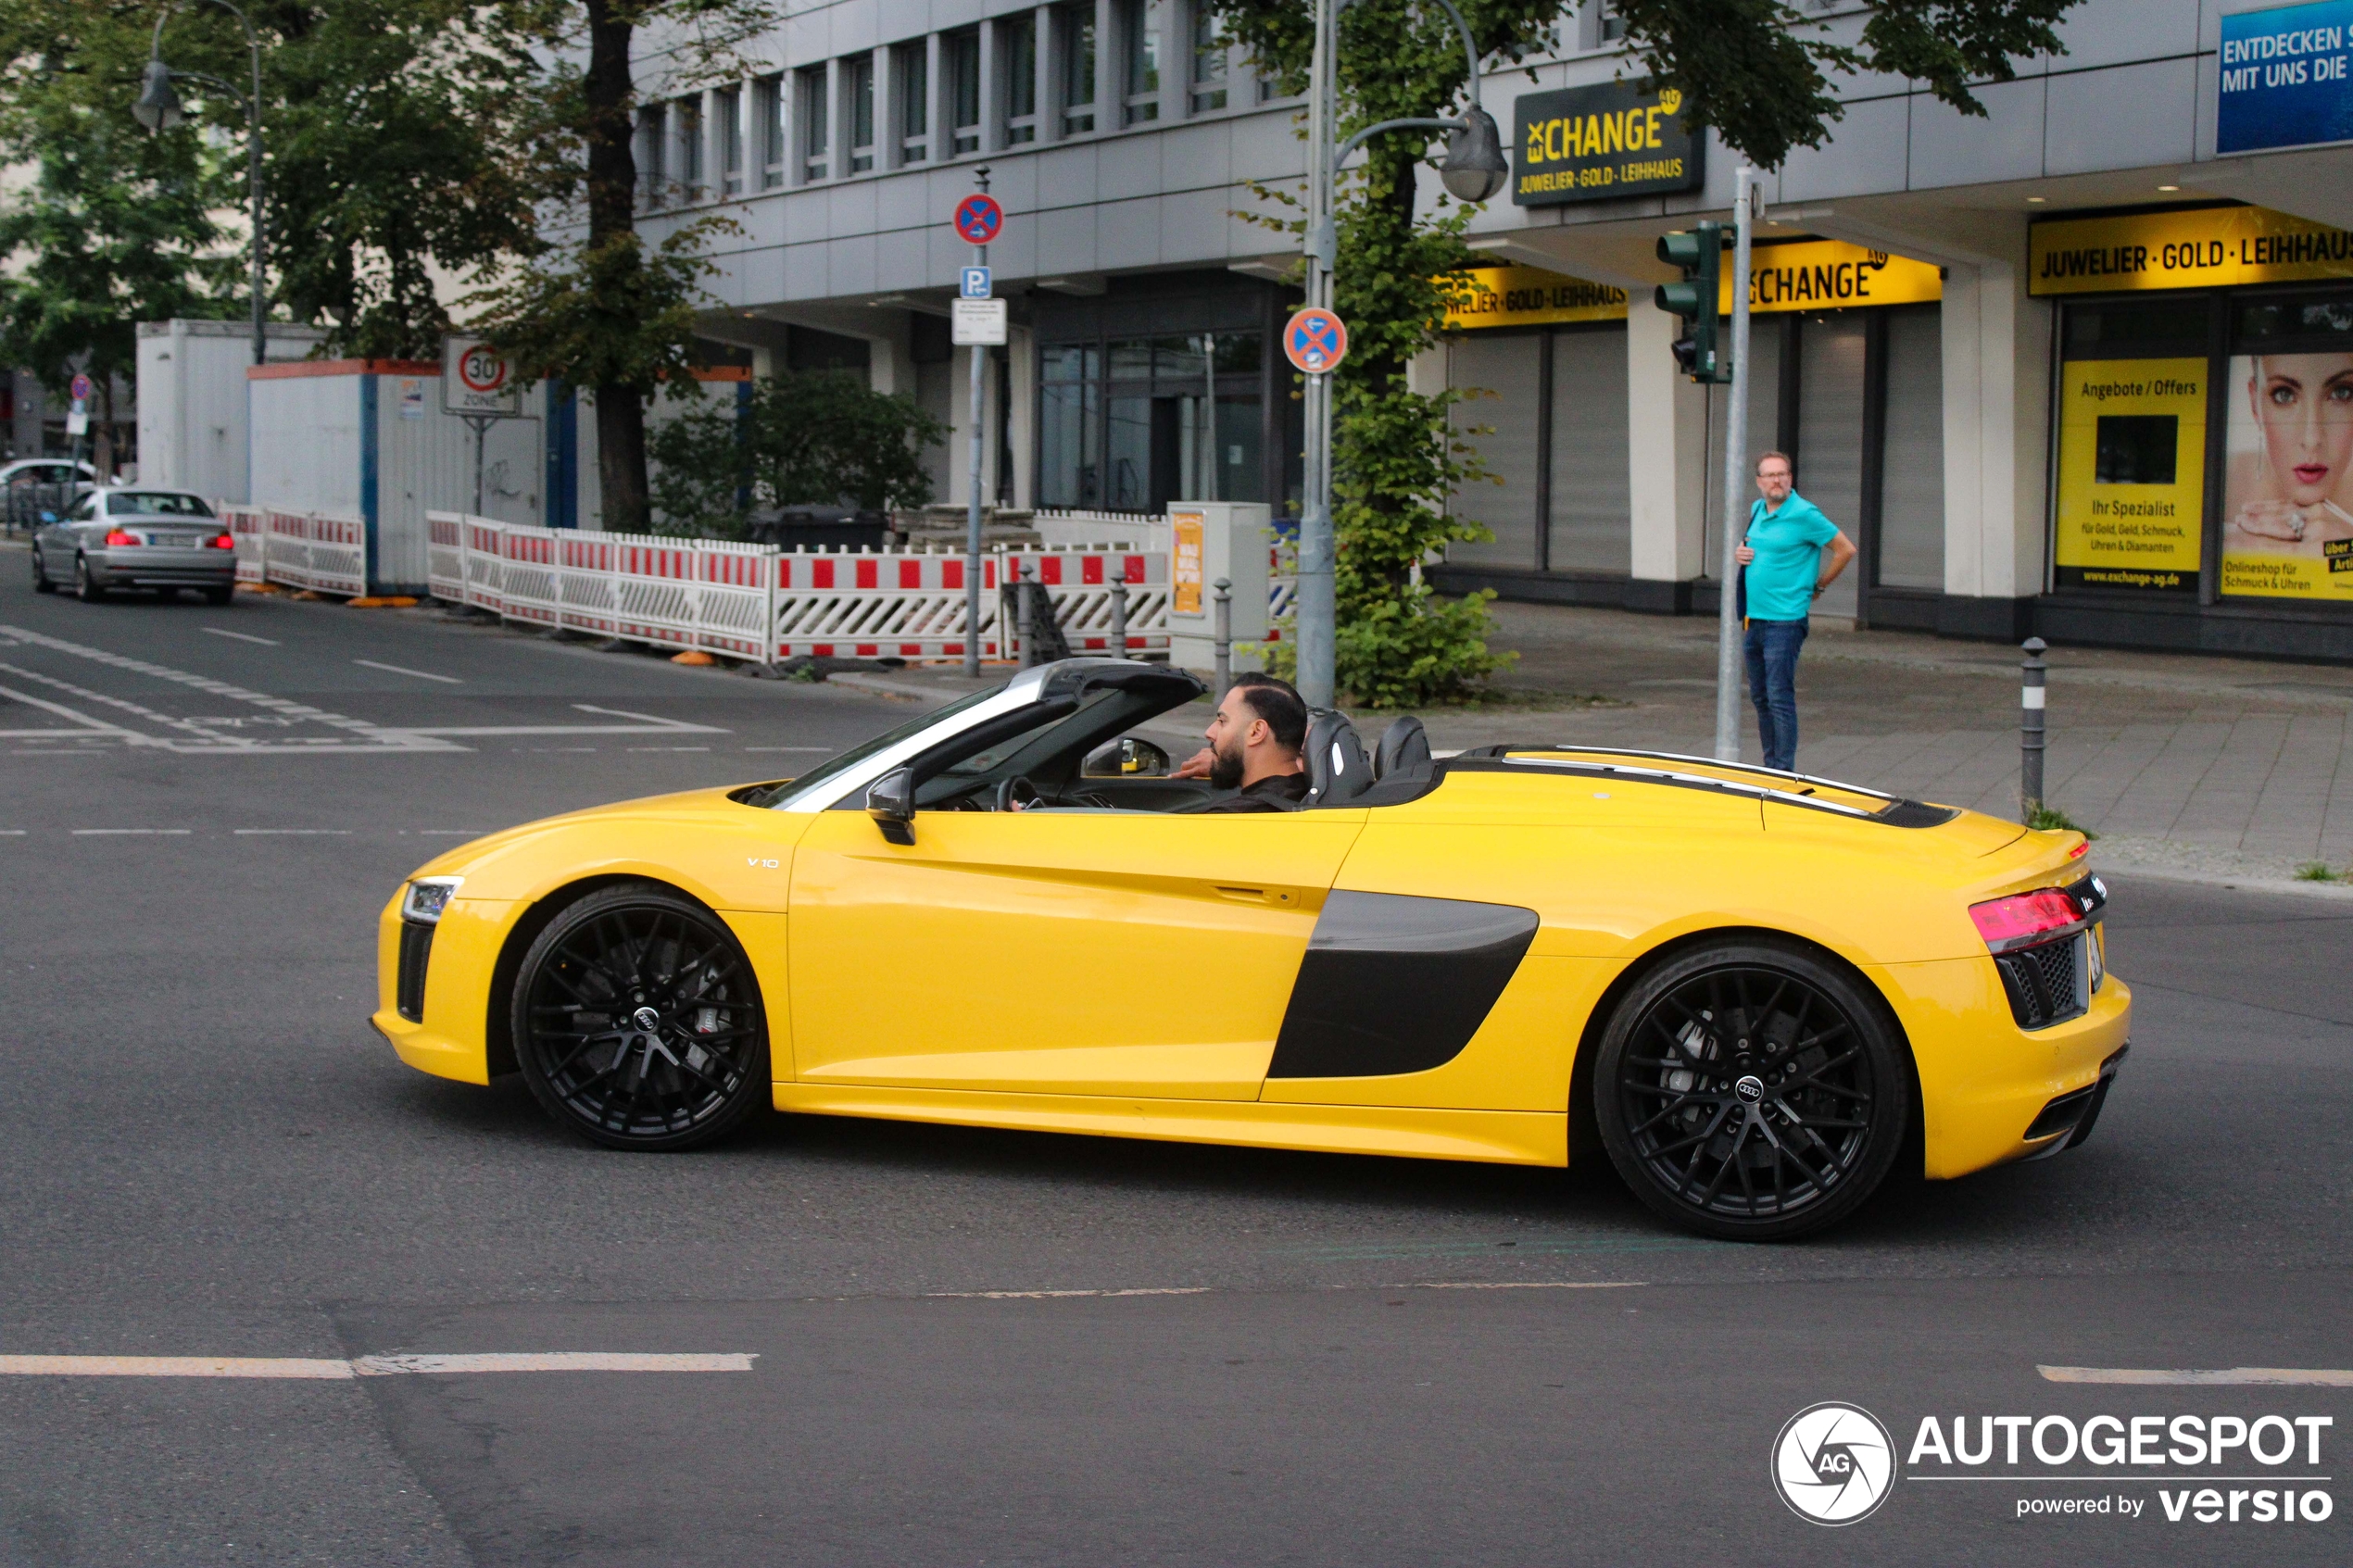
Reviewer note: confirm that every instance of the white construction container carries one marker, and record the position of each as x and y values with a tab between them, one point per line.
192	401
368	438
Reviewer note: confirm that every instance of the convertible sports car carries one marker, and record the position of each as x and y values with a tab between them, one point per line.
1758	991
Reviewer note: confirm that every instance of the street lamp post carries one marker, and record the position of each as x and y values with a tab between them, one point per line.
159	109
1473	170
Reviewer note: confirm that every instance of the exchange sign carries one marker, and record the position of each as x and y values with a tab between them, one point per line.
1592	143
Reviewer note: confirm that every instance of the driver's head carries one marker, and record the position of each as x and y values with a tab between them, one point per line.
1260	727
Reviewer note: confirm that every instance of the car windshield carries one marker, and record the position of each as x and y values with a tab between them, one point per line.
857	754
158	502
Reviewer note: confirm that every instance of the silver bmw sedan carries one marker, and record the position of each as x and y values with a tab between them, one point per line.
136	537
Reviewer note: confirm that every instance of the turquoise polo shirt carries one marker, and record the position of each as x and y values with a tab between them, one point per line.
1789	557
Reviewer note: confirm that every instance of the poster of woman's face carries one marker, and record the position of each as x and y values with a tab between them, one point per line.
2287	489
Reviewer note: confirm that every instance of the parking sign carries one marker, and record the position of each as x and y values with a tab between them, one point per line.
974	282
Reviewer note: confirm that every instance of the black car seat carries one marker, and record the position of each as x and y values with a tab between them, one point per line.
1337	771
1404	750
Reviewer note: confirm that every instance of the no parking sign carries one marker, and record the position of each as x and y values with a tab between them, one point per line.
978	217
1315	341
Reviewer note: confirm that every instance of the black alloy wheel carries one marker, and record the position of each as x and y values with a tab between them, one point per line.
1751	1091
41	583
86	590
638	1022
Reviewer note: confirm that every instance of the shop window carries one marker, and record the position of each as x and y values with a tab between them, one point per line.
914	102
816	109
731	141
1830	431
2134	400
1589	497
1910	548
1765	338
1140	25
1137	422
2287	481
1208	59
1501	419
1017	45
767	114
960	57
1075	48
858	80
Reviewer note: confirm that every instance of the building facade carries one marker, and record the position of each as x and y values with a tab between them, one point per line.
2066	367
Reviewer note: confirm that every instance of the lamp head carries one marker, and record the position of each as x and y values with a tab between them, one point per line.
1474	167
158	107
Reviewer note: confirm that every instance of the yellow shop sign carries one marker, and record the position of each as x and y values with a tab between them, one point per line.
1831	275
2198	247
1527	297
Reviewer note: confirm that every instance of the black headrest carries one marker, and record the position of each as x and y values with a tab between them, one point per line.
1336	770
1403	749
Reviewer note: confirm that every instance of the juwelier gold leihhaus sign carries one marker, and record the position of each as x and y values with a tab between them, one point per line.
2187	248
1831	275
1592	143
1528	297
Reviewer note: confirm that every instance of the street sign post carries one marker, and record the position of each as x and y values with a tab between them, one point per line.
976	323
478	386
1315	341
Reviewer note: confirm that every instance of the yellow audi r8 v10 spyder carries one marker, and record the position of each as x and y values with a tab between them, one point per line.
1758	991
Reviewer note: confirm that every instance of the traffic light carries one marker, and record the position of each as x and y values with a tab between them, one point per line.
1700	253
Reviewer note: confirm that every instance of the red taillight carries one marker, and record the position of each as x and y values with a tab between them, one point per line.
225	542
2077	853
2020	919
117	536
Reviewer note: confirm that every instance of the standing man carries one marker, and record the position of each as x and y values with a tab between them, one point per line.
1785	573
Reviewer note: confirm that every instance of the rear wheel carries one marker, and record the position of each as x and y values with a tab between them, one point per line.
41	583
637	1023
1751	1091
84	589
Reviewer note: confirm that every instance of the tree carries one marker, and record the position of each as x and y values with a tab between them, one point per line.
813	438
599	307
112	230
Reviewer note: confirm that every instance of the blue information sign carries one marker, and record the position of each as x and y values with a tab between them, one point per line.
2288	77
972	282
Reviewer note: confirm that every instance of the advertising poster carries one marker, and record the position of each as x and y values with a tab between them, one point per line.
2287	77
2131	472
2287	508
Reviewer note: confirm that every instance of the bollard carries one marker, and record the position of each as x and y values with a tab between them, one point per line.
1119	612
1223	622
2030	731
1021	614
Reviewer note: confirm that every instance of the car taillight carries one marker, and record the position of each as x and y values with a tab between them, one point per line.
2024	918
225	542
117	536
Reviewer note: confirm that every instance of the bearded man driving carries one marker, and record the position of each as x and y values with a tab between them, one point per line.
1255	745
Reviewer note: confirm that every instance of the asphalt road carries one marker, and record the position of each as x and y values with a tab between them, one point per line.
973	1347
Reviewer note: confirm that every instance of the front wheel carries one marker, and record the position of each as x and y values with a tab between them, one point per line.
1749	1090
638	1022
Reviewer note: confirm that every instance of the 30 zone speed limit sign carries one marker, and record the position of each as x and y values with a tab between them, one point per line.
475	381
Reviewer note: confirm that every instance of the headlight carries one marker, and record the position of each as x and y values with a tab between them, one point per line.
427	897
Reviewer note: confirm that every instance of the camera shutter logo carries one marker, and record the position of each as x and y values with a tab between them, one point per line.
1833	1464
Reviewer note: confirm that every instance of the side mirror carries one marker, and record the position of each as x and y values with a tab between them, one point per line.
890	800
1129	756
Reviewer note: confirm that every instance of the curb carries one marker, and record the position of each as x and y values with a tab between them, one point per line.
2338	891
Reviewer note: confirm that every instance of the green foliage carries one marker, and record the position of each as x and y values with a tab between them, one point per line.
2047	818
822	438
616	314
2317	870
1757	70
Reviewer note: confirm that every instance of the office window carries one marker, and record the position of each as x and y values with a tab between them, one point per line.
1140	82
690	147
816	108
1076	25
915	103
653	139
1209	60
859	81
1018	47
768	116
960	57
731	140
1613	26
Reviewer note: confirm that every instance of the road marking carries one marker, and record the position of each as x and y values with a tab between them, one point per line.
11	833
294	832
132	833
650	721
1058	1294
241	636
2227	1377
1521	1284
668	748
363	1366
403	669
95	726
451	833
827	750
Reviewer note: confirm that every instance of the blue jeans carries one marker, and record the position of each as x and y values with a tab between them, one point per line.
1772	686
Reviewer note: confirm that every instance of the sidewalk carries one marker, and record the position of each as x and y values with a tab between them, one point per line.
2217	767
